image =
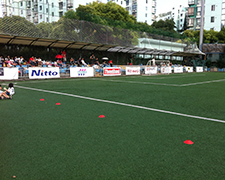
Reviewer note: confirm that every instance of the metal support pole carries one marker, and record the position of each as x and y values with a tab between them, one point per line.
202	24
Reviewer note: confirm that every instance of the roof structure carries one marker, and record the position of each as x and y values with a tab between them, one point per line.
50	43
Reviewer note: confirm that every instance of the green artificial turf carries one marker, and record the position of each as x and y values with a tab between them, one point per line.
42	140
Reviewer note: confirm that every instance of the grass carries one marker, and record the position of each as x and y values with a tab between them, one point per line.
40	140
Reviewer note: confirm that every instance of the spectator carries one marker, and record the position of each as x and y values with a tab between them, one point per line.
1	89
79	62
153	61
97	62
59	63
110	63
8	93
72	62
64	56
39	61
92	59
83	62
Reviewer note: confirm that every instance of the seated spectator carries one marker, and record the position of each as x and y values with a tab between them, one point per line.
39	61
1	60
32	61
110	63
104	64
59	63
97	62
79	63
8	93
1	89
83	62
72	62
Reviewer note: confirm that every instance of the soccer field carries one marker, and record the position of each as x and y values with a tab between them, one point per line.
147	119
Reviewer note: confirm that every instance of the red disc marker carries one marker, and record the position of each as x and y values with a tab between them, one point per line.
58	104
188	142
42	100
101	116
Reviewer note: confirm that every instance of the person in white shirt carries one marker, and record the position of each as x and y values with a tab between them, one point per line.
83	62
153	61
8	93
1	89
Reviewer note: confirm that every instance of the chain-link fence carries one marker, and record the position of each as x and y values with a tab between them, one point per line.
82	31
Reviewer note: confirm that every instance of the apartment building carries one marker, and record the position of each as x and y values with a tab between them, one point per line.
37	11
214	14
142	10
178	14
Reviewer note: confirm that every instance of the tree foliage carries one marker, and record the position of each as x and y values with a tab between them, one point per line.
167	25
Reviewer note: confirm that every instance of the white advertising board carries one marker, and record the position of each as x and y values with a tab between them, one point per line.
43	72
199	69
111	71
189	69
8	73
150	70
166	70
133	71
178	69
81	72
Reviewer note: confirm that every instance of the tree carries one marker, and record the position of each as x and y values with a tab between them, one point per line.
18	26
167	25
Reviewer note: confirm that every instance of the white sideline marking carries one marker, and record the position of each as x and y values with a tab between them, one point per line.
137	82
123	104
204	82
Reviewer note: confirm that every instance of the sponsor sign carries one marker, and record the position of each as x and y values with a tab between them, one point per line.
199	69
166	70
178	69
9	73
132	70
150	70
112	71
43	73
81	72
189	69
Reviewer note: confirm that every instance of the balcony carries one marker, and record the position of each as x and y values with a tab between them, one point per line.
69	4
190	2
35	19
28	12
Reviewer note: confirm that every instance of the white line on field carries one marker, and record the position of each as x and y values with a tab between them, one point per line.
138	82
204	82
123	104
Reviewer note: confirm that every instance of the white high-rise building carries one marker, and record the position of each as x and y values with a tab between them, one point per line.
37	11
142	10
178	14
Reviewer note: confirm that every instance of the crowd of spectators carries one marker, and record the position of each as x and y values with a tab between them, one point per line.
59	62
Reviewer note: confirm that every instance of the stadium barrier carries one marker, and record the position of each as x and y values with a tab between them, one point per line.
27	72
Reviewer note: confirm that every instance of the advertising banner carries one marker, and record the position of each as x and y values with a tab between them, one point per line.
150	70
43	72
8	73
112	71
199	69
189	69
166	70
178	69
81	72
133	71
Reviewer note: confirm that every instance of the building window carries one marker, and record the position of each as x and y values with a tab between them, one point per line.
146	15
146	1
211	28
145	21
46	10
127	2
47	19
41	16
191	11
146	8
21	3
40	8
212	19
213	8
181	15
121	2
46	1
52	14
52	5
21	12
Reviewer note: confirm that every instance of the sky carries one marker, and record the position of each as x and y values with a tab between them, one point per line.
164	6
